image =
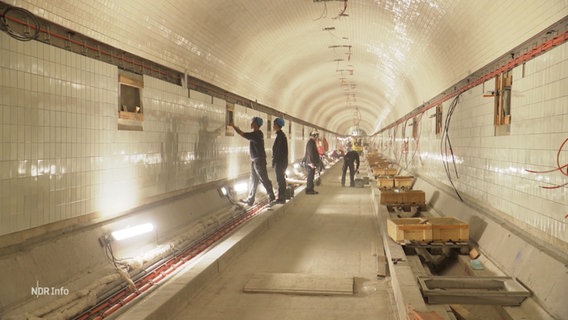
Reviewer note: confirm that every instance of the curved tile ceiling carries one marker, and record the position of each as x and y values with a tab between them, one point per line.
337	64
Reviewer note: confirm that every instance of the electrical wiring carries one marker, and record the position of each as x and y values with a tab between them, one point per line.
446	146
342	13
23	17
562	168
404	148
393	143
144	280
231	198
324	12
418	118
109	254
417	140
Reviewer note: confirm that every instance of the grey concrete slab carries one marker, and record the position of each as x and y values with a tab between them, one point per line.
299	283
472	290
332	234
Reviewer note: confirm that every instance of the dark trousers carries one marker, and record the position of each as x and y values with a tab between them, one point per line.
280	170
310	179
258	173
351	166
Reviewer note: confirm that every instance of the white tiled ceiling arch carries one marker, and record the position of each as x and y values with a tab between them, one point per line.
378	60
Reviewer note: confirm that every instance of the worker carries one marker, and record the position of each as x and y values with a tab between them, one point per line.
280	158
351	161
311	159
258	160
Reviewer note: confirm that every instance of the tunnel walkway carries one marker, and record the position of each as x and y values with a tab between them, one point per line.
316	240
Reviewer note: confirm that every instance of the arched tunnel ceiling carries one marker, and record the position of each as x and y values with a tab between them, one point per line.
324	61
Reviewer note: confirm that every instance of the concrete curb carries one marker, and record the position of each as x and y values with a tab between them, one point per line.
170	296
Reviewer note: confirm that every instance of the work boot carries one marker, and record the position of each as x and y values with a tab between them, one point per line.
247	202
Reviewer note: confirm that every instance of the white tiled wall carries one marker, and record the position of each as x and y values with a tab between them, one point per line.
298	147
62	156
56	109
492	169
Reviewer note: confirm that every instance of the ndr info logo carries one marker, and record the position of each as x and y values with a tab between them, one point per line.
49	291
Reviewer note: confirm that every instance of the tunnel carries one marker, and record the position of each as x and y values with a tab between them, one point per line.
143	175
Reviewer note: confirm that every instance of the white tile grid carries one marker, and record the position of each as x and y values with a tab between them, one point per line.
159	27
178	123
41	148
493	168
296	145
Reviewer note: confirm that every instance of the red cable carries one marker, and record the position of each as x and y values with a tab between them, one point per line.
85	46
558	168
123	297
530	54
343	11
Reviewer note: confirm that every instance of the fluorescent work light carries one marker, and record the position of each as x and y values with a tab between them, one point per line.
132	231
241	187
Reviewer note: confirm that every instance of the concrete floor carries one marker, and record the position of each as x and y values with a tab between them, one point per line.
334	234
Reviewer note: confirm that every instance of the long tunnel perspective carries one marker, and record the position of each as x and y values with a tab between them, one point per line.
121	114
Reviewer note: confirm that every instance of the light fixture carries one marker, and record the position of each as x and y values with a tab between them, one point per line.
241	187
223	191
132	231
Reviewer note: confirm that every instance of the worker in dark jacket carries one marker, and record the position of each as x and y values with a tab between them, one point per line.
312	159
280	158
258	160
351	161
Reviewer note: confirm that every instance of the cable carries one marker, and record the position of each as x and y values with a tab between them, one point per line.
418	135
343	11
559	167
117	263
324	12
393	143
446	145
25	36
404	149
143	280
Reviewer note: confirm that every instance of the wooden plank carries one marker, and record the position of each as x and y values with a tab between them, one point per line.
460	311
132	81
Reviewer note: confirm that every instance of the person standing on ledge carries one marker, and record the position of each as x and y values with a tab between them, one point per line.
312	160
258	160
280	158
